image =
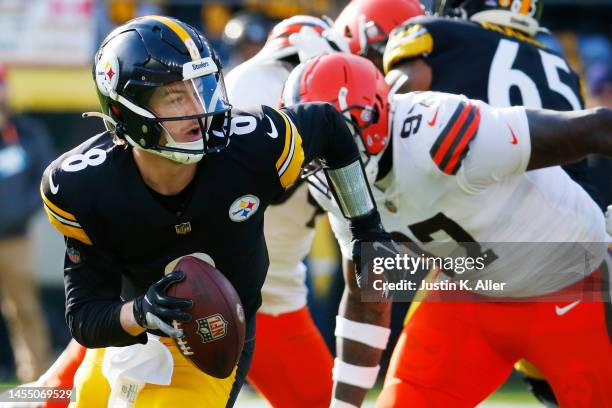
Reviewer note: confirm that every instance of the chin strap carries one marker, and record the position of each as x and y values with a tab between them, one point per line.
100	115
173	150
110	123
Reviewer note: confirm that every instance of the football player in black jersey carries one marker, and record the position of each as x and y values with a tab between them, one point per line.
178	172
487	50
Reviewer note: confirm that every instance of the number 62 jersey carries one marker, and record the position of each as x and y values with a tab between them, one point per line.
458	174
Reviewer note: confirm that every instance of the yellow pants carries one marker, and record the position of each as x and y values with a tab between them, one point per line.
189	387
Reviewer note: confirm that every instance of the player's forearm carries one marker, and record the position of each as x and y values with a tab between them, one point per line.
93	312
97	324
351	382
128	321
346	175
338	148
559	138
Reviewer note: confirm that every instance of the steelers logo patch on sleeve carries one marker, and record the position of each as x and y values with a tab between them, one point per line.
243	208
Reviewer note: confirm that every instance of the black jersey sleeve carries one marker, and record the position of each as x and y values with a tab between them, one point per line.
284	140
92	282
315	131
60	202
93	303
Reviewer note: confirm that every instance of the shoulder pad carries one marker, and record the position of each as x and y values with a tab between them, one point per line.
66	182
265	136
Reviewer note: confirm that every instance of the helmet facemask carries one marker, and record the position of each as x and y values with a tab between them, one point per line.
182	115
365	123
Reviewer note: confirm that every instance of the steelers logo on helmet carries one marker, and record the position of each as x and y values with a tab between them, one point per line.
107	73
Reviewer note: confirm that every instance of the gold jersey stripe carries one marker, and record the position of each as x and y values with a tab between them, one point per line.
56	209
181	33
411	43
293	168
67	230
285	153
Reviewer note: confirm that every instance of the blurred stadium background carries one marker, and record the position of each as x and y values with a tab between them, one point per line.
47	48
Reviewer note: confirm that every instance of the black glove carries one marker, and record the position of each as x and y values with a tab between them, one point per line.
368	230
372	241
542	391
155	309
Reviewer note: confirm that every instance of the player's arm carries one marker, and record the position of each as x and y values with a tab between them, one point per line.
326	136
559	138
93	302
482	145
95	313
405	58
362	328
362	331
318	131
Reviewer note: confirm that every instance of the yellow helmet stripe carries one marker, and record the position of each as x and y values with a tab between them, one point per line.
182	34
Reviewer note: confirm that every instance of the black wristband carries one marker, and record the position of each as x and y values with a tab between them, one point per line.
139	314
366	225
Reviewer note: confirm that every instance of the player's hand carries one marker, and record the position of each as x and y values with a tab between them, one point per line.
155	309
372	241
309	44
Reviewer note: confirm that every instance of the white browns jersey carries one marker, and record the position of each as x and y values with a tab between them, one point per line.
287	225
459	175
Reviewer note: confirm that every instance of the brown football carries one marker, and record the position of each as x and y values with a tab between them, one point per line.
214	337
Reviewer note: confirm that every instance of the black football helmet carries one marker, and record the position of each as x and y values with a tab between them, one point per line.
523	15
161	56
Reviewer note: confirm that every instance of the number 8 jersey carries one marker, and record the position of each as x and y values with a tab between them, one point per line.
458	174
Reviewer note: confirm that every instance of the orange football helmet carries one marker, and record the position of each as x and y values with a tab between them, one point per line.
354	86
367	23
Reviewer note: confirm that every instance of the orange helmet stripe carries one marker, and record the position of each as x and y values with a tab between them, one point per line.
525	6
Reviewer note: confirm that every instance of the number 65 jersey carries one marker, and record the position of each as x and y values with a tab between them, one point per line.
458	174
496	64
